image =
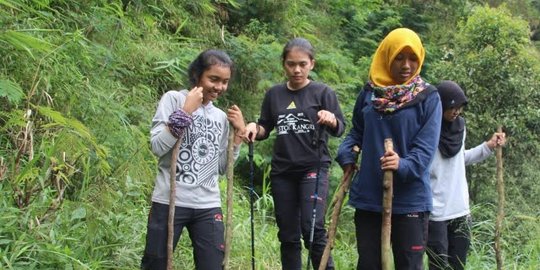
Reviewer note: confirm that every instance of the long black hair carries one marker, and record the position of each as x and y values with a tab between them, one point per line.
300	43
204	61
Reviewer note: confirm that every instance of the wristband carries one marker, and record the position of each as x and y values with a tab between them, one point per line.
178	121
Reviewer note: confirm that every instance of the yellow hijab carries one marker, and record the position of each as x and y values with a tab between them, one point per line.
391	45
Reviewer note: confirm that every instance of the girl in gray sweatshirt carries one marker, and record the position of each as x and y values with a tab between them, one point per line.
201	159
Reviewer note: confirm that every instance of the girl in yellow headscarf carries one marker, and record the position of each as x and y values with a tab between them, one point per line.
395	103
394	73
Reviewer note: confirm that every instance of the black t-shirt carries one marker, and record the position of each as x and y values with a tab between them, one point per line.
293	114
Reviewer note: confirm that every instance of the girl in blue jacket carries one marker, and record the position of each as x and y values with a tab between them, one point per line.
396	103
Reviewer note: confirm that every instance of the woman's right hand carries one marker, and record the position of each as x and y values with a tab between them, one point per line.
390	161
498	139
194	100
251	131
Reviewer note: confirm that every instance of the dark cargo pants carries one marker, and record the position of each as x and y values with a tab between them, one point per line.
205	228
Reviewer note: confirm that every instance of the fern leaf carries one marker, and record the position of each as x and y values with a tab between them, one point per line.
75	126
24	41
60	120
11	90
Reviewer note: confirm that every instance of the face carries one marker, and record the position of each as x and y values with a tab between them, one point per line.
404	66
297	66
451	114
214	82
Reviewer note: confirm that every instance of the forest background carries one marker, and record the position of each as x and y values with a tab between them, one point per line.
79	82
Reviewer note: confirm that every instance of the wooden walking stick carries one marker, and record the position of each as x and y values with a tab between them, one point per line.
500	206
230	180
172	200
338	203
386	256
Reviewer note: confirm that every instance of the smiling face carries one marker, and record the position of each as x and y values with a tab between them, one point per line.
214	82
404	66
297	65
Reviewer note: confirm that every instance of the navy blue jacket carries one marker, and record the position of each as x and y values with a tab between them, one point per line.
414	129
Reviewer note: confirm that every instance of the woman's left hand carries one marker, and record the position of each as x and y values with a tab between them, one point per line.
327	118
235	117
390	161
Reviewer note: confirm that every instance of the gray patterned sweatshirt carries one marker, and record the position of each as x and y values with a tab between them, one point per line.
202	156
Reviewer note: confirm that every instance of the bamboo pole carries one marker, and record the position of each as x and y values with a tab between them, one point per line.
500	206
230	180
172	200
386	256
338	203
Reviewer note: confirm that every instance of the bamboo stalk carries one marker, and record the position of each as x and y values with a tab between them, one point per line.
338	203
386	228
500	206
230	181
172	200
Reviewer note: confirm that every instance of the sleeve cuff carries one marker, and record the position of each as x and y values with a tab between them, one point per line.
403	170
236	151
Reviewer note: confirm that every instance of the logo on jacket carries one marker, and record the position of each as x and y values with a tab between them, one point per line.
291	106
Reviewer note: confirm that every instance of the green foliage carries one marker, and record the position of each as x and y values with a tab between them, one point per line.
257	66
364	23
285	18
26	42
79	82
482	253
11	90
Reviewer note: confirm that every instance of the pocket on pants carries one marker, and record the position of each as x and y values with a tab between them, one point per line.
219	231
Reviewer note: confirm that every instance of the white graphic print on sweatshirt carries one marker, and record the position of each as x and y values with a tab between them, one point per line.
298	123
199	154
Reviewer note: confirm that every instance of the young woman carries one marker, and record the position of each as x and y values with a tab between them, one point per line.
303	113
202	157
449	222
396	103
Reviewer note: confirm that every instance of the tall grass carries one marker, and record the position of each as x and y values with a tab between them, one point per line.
109	234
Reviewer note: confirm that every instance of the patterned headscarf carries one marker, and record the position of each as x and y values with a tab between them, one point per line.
388	95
